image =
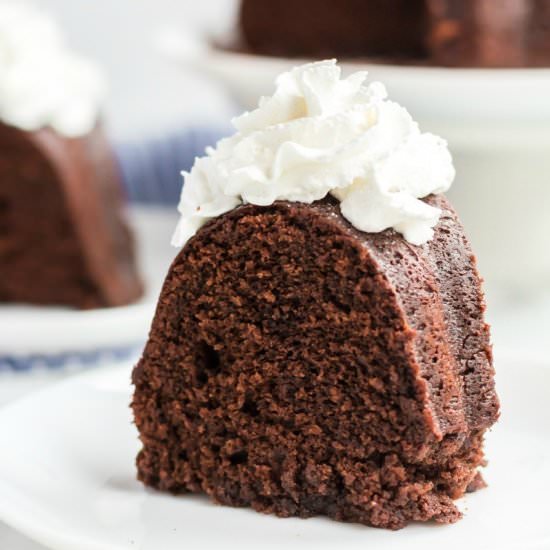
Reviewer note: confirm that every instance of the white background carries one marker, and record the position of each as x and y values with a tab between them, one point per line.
147	91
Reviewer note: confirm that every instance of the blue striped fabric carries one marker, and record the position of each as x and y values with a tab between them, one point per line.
69	359
152	169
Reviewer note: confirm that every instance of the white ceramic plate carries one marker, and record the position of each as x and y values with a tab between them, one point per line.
67	480
474	107
27	330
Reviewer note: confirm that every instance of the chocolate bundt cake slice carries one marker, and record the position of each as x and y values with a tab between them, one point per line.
63	237
319	344
302	367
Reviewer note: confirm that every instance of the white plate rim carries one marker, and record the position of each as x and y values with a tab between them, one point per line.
481	108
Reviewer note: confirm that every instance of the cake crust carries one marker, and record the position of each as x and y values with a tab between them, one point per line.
302	367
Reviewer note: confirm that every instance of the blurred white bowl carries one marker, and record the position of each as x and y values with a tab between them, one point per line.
497	122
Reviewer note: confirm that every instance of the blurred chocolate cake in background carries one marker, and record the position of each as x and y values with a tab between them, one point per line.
340	28
63	237
468	33
489	33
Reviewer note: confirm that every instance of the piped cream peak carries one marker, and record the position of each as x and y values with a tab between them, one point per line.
321	134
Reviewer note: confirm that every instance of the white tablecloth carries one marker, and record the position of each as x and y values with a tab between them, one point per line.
10	540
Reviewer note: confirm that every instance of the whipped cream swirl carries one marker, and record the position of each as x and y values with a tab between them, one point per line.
321	134
42	83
